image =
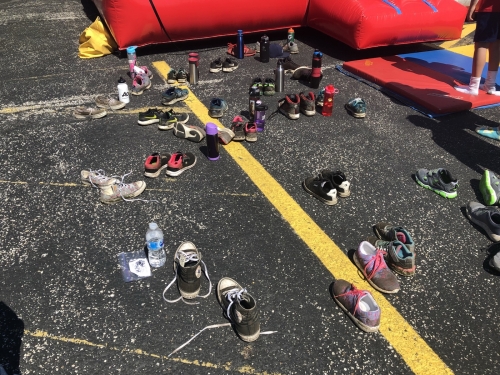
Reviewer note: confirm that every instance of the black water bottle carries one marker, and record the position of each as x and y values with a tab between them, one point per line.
264	49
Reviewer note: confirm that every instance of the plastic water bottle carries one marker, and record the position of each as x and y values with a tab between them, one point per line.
154	242
291	35
132	58
123	94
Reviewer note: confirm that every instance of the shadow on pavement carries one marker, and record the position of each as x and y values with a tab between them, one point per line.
11	333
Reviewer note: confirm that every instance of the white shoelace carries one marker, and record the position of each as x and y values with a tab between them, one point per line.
191	257
99	175
122	185
231	296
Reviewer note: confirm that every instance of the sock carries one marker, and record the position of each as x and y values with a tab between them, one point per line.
472	89
490	83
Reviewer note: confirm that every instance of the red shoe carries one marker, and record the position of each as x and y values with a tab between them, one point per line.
251	132
247	51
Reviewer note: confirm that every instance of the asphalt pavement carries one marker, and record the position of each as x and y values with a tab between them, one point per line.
64	308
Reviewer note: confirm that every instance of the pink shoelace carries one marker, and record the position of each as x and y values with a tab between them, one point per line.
358	293
378	263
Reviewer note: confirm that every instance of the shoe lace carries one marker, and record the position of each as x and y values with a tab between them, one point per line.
99	176
355	292
377	262
233	295
188	257
123	186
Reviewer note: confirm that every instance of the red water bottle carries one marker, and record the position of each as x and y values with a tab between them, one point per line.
328	100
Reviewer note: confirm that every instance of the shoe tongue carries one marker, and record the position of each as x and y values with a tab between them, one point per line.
401	237
399	251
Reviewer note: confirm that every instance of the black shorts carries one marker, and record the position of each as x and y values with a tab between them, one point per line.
487	27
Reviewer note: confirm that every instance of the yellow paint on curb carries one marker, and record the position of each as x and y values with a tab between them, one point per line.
399	333
225	366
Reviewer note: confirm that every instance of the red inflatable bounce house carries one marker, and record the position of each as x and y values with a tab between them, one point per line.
357	23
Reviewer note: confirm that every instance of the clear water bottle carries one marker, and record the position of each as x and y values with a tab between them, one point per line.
154	242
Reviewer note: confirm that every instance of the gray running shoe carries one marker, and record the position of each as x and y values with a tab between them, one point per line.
371	263
487	218
399	258
307	103
439	181
116	193
140	84
389	232
291	47
495	262
88	113
97	178
106	102
489	185
240	308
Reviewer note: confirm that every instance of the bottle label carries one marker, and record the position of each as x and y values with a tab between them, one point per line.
155	245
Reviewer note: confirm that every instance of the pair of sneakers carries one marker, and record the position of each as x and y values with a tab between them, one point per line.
176	76
112	189
292	105
243	131
166	120
438	180
266	87
239	307
327	185
103	102
175	163
226	65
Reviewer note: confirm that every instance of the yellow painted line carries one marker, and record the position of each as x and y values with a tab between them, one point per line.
399	333
467	29
225	366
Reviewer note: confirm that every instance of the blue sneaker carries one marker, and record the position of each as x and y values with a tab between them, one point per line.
356	107
174	95
217	107
486	131
320	98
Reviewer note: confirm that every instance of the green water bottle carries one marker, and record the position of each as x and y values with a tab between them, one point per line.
291	35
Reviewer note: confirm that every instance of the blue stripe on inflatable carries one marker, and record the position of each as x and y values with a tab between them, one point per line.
392	5
434	9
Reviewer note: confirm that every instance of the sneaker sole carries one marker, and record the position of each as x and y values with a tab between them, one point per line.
215	70
171	81
358	264
357	322
229	70
185	132
148	122
170	125
181	80
329	203
354	114
82	117
442	193
177	173
119	199
402	271
251	138
308	113
487	191
142	91
173	101
269	93
113	107
491	235
155	174
191	295
294	116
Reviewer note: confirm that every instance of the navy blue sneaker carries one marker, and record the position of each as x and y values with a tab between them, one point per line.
173	95
217	107
356	107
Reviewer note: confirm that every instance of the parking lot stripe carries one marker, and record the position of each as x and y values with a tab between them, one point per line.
398	332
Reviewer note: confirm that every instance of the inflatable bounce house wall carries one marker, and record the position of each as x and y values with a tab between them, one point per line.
357	23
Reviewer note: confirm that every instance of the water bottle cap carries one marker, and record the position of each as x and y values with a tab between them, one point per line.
121	80
290	30
131	49
261	107
153	226
240	31
211	129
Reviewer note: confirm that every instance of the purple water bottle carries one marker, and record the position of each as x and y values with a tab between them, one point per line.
212	141
260	116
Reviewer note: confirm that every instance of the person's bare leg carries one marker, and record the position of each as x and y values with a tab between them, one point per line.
478	62
493	61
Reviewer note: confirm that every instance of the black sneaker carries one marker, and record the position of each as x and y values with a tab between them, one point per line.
289	66
269	87
240	308
339	182
322	189
181	76
155	163
302	74
151	116
307	104
229	65
187	269
257	83
172	76
170	118
289	106
173	95
180	162
216	66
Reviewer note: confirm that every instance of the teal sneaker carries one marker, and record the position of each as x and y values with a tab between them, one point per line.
486	131
356	107
439	181
489	185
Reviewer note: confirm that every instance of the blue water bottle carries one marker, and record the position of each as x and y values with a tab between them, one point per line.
240	45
